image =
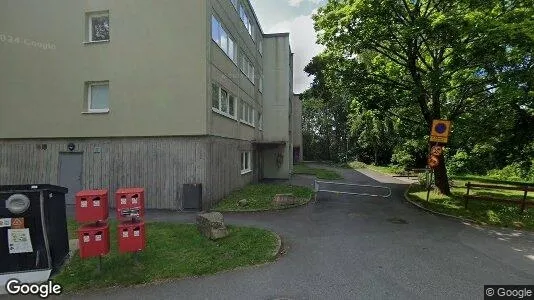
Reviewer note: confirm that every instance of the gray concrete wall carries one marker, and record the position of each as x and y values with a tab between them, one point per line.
160	165
155	63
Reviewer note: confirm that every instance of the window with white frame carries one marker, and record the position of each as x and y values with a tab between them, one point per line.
260	121
222	101
246	20
98	96
246	162
247	68
247	113
223	39
98	27
260	46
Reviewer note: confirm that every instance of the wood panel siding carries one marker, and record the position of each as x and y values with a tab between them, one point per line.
225	167
160	165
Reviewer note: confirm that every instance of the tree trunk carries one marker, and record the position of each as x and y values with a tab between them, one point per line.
441	178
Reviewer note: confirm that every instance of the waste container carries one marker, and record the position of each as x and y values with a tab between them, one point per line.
34	241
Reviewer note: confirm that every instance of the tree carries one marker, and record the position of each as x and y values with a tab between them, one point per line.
443	58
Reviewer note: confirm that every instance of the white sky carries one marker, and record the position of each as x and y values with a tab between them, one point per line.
293	16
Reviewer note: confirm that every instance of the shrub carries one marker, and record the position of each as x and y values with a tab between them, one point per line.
422	179
512	172
459	163
402	159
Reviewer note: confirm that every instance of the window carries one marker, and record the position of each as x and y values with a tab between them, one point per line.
247	68
260	84
246	162
98	97
223	102
260	121
247	113
245	19
260	46
223	39
98	27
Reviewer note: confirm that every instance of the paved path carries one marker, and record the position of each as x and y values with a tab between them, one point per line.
346	247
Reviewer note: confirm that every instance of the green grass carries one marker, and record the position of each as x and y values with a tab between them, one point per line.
483	212
390	170
173	251
260	197
317	172
487	179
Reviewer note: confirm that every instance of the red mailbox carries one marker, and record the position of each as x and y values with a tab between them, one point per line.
93	240
92	206
130	203
131	236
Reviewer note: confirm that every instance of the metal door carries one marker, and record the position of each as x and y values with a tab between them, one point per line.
70	174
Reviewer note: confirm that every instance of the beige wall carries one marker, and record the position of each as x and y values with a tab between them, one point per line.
226	73
276	104
297	123
155	63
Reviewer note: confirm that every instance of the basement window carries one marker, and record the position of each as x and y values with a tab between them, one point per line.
246	162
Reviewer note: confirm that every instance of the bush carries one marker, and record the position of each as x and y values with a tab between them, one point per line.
513	172
459	163
422	179
402	159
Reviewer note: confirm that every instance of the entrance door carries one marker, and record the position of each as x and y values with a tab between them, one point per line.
70	174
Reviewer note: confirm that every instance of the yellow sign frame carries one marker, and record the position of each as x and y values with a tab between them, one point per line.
440	137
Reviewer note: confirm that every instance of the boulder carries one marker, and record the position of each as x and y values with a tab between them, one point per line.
211	225
242	202
284	200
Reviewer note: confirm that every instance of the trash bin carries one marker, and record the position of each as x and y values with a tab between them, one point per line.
34	242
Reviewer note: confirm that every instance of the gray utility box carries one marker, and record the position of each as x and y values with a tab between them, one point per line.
192	197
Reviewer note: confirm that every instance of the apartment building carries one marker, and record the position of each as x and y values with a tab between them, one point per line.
296	114
157	94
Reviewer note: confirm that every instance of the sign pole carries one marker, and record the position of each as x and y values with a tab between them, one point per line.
429	184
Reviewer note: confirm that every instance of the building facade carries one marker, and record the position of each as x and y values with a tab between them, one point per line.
108	94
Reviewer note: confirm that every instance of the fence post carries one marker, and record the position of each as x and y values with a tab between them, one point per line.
467	195
524	199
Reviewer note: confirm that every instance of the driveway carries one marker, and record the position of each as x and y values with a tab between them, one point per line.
359	247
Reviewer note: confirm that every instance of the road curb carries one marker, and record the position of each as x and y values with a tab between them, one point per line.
407	198
282	208
278	250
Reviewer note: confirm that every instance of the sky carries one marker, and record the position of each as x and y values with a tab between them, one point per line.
293	16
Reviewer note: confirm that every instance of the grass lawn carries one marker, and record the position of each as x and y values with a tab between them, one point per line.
317	172
173	251
484	212
390	170
260	196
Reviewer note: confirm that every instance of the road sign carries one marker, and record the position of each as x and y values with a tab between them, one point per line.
436	150
440	131
17	223
433	162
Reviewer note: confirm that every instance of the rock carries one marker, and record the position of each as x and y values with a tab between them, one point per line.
242	202
284	200
211	225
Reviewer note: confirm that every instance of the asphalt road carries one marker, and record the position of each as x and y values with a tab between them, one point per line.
359	247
